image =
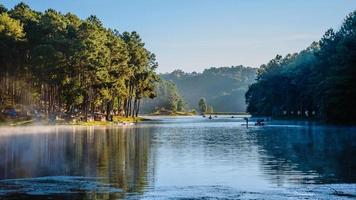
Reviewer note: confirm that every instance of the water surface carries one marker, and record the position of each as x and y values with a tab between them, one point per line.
179	158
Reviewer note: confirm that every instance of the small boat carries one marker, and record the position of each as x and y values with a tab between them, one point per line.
260	122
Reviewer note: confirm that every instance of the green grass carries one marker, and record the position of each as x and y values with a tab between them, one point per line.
128	119
116	119
29	121
183	114
22	122
227	113
171	113
92	123
16	122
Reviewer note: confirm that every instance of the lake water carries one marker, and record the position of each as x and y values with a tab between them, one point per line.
179	158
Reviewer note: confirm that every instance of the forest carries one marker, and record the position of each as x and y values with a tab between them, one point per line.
58	63
54	63
168	99
318	82
223	88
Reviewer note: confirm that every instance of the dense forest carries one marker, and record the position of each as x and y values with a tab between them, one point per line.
168	99
318	82
222	88
59	63
53	63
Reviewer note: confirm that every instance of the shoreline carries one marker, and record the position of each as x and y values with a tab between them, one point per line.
118	120
170	113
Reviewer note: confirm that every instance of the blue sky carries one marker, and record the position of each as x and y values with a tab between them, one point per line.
197	34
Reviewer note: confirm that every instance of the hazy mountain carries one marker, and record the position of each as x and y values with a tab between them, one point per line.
224	88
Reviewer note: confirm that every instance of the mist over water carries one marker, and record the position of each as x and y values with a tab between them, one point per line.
180	157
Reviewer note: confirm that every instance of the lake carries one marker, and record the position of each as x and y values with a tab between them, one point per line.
179	158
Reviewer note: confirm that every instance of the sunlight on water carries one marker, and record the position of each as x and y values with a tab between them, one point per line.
181	157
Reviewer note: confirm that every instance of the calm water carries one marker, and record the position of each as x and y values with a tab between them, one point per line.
179	158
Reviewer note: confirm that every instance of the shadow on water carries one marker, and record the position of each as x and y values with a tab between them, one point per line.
308	154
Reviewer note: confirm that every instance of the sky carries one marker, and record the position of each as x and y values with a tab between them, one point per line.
196	34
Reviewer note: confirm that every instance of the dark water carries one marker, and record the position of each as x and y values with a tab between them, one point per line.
179	158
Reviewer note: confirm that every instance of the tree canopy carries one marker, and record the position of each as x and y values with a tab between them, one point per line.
202	105
317	82
168	98
60	63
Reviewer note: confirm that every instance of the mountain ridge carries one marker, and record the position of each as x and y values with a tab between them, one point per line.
216	84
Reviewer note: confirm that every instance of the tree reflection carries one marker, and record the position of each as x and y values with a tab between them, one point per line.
308	154
119	156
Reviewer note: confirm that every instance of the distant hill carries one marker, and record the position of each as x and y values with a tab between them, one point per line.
224	88
167	98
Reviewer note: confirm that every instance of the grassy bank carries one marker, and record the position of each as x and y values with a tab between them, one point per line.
116	120
15	122
227	113
28	121
171	113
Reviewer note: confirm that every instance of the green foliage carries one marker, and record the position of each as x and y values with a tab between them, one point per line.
320	78
2	9
10	27
202	105
58	62
168	98
210	109
180	105
224	88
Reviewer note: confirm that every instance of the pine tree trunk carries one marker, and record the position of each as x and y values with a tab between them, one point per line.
138	107
108	110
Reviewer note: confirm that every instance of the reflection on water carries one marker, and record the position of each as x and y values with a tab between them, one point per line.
308	154
120	157
174	158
